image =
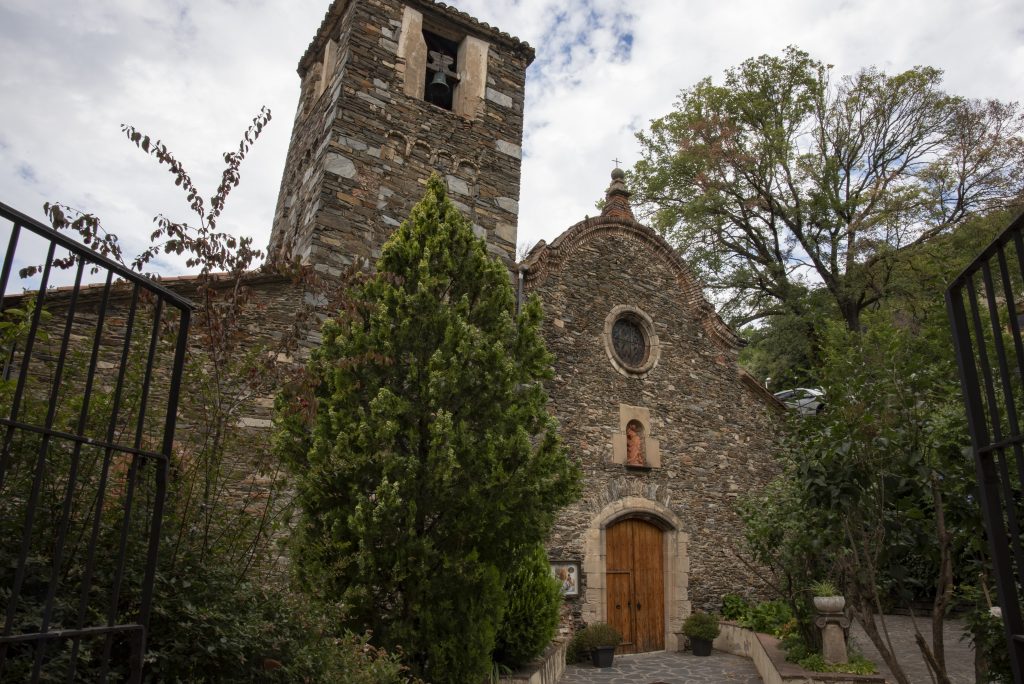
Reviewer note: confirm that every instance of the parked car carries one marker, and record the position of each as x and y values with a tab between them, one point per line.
807	401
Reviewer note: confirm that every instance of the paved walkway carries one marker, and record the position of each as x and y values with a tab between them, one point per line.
959	654
662	667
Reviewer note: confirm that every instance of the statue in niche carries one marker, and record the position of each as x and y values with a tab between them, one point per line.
635	444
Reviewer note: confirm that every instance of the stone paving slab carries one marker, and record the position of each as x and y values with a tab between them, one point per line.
663	667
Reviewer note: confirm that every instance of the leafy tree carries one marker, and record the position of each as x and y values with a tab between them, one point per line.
879	491
432	457
782	178
784	351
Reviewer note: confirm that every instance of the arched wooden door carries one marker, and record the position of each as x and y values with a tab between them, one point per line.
636	585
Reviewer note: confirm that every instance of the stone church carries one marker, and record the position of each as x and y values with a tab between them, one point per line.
668	429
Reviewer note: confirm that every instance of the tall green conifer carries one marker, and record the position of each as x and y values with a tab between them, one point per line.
432	456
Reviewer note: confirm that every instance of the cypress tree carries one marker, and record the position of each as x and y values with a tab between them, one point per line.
432	457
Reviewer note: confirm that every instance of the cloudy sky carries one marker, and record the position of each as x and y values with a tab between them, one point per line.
194	72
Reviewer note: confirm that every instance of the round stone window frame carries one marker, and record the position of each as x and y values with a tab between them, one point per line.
643	321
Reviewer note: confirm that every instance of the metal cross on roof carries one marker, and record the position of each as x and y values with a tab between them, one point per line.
617	162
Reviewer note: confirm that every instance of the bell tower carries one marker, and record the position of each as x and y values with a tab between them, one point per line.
391	91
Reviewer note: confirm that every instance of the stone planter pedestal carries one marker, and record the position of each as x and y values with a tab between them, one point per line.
833	635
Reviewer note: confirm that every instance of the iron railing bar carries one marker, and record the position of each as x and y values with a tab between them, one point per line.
115	409
83	418
1017	339
19	574
26	362
1016	225
163	468
11	355
1004	368
133	473
1011	416
5	274
9	361
990	404
148	375
51	415
115	593
1019	252
70	244
1018	347
1005	444
84	632
85	441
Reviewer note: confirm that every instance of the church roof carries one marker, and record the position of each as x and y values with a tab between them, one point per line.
458	17
617	218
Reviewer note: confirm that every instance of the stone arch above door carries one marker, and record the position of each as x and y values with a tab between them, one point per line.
676	565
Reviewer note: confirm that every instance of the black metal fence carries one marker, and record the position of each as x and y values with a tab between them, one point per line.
88	400
986	311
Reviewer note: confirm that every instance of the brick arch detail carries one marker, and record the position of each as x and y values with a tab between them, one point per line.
677	562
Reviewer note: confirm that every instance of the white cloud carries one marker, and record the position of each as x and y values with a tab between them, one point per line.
194	73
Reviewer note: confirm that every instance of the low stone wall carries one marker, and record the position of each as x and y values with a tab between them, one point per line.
770	659
544	670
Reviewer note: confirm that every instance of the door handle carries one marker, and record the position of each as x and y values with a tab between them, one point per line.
618	605
638	605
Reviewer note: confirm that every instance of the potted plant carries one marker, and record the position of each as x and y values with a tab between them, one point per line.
827	598
701	629
601	639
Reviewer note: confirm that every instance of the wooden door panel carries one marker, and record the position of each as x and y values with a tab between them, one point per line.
620	613
635	584
649	591
619	547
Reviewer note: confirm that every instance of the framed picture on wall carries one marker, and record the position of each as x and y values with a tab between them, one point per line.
568	573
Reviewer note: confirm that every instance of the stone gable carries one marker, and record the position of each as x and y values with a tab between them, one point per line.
714	428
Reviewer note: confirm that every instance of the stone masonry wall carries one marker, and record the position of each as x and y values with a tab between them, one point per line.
715	431
362	150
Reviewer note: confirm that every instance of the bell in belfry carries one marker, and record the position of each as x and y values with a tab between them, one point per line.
439	88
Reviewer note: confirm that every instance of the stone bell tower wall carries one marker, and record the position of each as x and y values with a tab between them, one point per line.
364	140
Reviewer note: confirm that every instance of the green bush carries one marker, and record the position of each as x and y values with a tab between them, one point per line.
598	635
211	629
734	607
533	598
857	664
985	632
701	626
767	617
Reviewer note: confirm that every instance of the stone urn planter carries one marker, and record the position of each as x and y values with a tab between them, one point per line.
827	598
829	604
